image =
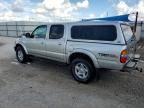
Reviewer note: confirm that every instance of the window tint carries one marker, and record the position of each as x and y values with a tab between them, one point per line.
40	32
56	31
104	33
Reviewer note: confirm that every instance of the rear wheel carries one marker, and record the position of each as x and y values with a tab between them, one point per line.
82	70
21	55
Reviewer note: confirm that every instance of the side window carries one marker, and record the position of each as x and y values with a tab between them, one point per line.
56	32
40	32
103	33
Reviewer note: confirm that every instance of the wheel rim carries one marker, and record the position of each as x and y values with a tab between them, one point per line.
20	55
81	70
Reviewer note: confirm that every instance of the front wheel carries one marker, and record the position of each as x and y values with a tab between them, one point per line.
21	55
82	70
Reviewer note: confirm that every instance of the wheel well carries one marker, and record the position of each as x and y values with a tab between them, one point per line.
18	45
80	55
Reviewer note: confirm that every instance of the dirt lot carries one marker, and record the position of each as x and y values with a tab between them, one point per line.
42	84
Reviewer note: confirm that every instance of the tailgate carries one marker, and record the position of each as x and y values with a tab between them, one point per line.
131	48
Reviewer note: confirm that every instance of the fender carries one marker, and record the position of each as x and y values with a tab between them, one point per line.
86	52
20	43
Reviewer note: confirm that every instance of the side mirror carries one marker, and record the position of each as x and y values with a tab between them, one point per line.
28	35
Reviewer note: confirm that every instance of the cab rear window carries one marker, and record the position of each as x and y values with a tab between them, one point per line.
92	32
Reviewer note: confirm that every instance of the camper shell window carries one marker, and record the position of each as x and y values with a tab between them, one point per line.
94	32
127	32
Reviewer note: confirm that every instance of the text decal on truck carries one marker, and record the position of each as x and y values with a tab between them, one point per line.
107	55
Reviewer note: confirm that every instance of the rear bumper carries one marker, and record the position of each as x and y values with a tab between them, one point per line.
133	64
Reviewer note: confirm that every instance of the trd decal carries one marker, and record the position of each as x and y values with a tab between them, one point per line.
107	55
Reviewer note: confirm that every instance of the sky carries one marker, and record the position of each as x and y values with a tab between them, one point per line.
66	10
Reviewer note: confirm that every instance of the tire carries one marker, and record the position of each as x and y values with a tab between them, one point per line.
82	71
21	55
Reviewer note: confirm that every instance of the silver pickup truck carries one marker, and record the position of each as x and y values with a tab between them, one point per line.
87	46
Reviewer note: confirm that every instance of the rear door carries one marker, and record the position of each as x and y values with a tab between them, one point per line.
55	45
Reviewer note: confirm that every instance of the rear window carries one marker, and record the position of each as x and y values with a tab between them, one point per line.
127	32
104	33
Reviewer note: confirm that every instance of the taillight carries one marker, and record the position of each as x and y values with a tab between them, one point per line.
123	56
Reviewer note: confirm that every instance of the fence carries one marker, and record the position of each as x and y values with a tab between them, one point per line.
16	28
142	30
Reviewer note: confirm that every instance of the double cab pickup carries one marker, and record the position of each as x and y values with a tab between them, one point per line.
86	46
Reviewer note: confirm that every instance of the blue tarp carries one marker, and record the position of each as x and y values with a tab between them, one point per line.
114	18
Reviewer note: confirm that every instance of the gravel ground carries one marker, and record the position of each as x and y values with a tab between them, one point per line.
45	84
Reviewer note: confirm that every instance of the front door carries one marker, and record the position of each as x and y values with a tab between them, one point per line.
36	44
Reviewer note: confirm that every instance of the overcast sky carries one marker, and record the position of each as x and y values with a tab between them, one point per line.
54	10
